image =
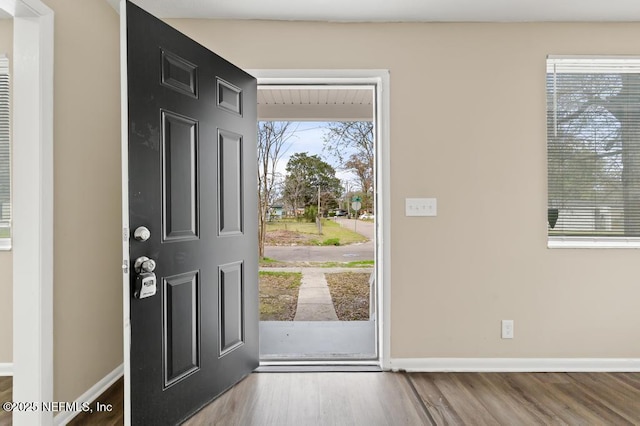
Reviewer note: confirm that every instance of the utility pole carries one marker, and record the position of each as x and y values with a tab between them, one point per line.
318	220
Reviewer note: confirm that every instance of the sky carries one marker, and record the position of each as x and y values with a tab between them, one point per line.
309	138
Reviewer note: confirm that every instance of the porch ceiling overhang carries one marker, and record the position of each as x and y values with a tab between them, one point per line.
315	103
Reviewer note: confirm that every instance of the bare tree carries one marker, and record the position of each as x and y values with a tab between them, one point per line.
352	143
362	166
273	142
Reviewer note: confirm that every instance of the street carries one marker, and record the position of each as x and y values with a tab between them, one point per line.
348	253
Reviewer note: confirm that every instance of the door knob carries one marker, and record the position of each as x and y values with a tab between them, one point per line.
144	264
145	283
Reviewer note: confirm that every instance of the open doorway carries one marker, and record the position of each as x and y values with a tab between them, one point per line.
317	221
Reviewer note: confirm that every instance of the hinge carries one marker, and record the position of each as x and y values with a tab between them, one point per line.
125	234
125	266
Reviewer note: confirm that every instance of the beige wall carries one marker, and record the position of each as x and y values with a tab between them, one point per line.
6	258
87	207
468	127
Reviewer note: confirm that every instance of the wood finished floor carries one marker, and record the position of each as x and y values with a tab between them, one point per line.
408	399
6	392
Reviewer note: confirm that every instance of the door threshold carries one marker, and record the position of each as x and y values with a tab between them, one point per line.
318	341
324	367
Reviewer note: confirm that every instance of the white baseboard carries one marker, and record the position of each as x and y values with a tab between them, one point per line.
6	369
90	395
537	365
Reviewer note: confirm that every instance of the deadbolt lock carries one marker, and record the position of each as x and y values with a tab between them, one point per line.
141	233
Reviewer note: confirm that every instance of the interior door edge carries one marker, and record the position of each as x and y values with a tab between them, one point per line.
126	264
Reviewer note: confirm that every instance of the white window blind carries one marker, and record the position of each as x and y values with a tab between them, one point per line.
5	153
593	146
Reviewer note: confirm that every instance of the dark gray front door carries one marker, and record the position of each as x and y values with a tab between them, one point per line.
192	184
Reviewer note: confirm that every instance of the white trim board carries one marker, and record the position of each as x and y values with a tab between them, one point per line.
381	79
32	205
6	369
529	365
91	395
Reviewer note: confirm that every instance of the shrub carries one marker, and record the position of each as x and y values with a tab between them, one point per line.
310	213
331	242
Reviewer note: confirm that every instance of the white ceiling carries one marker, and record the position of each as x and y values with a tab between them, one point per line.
398	10
315	103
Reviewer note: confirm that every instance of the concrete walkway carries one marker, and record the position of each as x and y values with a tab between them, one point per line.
314	299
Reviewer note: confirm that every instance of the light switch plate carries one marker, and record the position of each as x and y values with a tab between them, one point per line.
421	207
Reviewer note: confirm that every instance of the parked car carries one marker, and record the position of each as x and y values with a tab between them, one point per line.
341	212
366	216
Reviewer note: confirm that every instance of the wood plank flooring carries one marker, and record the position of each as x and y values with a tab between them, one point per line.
6	392
114	396
407	399
530	398
316	399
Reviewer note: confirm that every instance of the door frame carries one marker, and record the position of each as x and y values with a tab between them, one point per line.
32	204
380	78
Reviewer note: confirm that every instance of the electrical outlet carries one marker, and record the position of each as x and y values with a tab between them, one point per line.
507	329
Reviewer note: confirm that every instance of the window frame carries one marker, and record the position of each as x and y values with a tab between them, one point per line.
586	242
592	242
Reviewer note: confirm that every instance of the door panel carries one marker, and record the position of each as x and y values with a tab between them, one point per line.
181	315
192	156
230	178
229	97
179	74
231	307
179	176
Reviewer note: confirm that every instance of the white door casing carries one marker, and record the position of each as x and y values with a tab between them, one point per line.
381	79
32	206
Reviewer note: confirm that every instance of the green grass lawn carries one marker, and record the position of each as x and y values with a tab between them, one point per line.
354	264
332	233
267	261
273	263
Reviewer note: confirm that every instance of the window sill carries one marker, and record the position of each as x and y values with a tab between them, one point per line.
592	242
5	244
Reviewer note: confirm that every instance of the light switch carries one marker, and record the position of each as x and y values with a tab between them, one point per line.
421	207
